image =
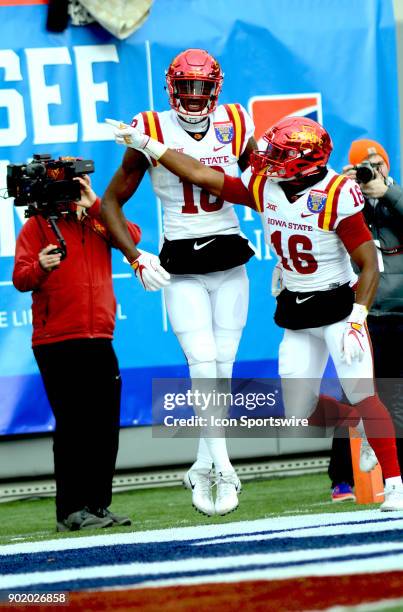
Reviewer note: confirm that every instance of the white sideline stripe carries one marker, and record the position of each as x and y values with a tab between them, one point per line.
10	581
310	532
201	531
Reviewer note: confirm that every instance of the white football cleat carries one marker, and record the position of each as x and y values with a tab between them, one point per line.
368	458
199	482
393	499
228	487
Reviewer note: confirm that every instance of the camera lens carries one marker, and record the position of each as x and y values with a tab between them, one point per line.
36	170
364	174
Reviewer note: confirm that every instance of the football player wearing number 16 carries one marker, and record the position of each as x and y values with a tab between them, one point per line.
315	223
207	298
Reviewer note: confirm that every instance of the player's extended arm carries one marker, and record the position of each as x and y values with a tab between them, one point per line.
193	171
185	167
122	186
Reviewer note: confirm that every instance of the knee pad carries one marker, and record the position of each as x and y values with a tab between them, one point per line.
198	346
300	397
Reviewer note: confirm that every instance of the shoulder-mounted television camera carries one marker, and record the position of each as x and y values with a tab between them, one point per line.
46	185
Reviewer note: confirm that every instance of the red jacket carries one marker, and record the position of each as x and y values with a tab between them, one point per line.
77	299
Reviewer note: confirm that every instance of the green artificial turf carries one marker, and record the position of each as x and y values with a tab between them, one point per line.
167	507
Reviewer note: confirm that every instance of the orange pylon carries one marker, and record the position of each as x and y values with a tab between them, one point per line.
368	486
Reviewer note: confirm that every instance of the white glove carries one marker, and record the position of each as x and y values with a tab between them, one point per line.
353	336
149	272
135	139
277	280
125	134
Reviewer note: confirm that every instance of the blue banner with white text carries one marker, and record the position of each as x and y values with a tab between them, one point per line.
332	61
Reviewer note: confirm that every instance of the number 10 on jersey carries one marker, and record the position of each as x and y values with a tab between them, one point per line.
190	208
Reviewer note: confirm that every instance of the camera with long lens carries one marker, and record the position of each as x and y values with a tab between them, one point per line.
365	172
45	185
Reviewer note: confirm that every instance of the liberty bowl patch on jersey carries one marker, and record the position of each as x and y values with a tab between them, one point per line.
316	200
224	131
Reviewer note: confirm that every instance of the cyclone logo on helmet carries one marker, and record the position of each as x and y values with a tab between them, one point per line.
295	147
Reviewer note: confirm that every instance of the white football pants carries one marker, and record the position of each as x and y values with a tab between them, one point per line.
303	355
207	313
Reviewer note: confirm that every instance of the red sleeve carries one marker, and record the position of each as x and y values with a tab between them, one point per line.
95	212
353	232
235	191
28	274
95	209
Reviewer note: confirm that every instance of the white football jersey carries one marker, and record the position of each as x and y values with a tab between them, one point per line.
303	233
189	211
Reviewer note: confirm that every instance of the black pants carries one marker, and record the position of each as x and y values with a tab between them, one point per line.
83	385
386	333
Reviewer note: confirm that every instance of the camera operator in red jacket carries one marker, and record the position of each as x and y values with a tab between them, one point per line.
73	308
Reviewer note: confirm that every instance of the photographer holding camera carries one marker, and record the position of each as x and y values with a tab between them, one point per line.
73	307
383	211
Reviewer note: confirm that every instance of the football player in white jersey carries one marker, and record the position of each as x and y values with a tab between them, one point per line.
203	251
314	220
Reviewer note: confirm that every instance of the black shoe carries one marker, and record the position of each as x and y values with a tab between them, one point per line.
121	521
82	519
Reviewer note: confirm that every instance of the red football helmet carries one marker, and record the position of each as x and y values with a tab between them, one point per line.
296	146
194	81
